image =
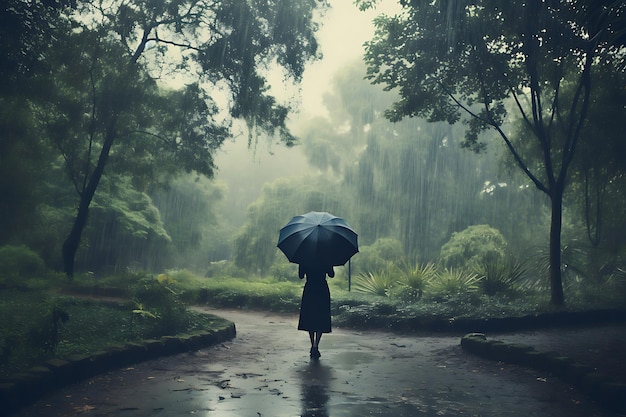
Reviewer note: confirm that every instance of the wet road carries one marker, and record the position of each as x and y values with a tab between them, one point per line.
265	371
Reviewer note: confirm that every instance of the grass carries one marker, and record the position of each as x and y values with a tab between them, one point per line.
40	325
34	325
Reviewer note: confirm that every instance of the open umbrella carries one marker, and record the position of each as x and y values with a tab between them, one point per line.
318	239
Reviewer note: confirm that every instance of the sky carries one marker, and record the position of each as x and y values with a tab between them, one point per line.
343	31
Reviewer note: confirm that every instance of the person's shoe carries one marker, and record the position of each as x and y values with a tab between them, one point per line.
315	353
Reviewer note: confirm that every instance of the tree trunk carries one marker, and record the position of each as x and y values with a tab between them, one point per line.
70	246
556	283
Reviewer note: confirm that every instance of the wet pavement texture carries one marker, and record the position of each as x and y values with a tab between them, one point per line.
266	371
601	347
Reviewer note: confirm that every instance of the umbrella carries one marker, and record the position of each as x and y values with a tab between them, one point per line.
318	239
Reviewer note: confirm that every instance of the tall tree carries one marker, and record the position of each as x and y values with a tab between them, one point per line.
25	29
453	60
126	45
598	171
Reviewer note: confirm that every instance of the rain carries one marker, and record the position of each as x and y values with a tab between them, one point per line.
150	155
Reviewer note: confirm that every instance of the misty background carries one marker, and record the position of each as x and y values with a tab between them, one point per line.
405	187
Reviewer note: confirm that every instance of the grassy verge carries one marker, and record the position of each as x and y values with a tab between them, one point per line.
40	323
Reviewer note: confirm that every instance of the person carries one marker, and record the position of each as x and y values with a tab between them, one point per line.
315	305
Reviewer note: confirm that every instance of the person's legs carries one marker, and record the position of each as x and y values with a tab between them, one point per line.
315	341
318	337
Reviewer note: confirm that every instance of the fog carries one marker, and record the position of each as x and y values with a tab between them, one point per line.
201	178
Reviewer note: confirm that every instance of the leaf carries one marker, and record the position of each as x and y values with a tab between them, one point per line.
84	408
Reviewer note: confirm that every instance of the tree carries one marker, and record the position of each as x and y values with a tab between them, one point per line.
24	45
408	180
255	243
453	60
105	92
598	171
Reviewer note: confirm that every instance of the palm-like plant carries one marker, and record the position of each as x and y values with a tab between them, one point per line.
416	277
377	283
452	282
498	275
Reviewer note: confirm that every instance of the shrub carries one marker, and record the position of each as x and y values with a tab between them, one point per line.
472	247
225	269
381	255
19	265
155	300
285	271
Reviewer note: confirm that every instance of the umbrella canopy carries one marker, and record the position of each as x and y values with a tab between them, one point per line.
318	239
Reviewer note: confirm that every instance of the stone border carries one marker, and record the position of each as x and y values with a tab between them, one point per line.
27	387
600	387
393	322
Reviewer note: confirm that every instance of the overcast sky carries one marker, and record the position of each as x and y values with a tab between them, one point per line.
343	31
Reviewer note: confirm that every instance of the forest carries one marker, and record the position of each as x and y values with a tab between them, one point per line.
454	143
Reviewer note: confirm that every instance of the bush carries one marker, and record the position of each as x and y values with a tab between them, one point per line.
473	246
285	271
158	301
20	267
381	255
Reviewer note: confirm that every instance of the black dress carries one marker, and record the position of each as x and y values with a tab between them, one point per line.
315	305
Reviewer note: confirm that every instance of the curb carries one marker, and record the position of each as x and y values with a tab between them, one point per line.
26	387
599	387
369	320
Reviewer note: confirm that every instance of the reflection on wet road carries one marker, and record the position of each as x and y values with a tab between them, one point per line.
314	382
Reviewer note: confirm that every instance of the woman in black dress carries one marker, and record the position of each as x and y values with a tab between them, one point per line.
315	305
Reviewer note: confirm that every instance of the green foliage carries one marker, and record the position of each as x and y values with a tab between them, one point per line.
35	330
598	183
156	299
90	101
46	333
380	255
255	244
27	311
20	261
454	284
452	64
284	271
415	278
377	283
132	211
473	246
21	267
225	268
500	275
188	210
260	293
44	326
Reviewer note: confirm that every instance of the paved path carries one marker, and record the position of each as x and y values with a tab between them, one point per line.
265	371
